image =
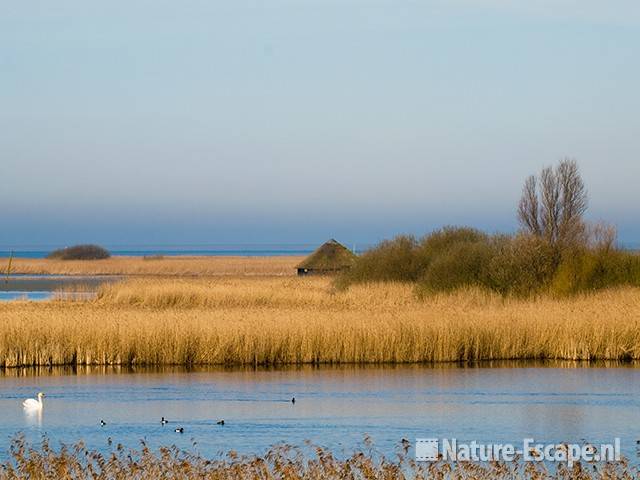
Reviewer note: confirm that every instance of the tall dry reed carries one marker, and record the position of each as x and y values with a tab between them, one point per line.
281	462
167	265
271	321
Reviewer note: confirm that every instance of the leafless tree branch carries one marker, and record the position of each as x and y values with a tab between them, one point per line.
553	206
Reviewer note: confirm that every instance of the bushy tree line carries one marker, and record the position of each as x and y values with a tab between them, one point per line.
555	252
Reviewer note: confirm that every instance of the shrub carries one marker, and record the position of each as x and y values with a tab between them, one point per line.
80	252
391	261
588	270
454	258
405	259
522	265
440	241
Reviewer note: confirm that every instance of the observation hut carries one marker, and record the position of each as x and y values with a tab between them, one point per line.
331	257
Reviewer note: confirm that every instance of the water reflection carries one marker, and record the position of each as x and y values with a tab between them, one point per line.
56	370
52	283
33	418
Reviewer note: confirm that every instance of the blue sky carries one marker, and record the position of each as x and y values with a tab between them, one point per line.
130	122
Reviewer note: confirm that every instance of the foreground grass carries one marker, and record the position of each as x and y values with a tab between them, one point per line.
276	321
281	462
170	266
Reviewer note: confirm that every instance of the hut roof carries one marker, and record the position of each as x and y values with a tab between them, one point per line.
331	255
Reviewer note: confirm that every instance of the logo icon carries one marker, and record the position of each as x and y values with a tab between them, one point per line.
426	449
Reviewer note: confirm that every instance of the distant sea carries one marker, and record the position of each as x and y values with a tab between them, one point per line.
240	250
179	250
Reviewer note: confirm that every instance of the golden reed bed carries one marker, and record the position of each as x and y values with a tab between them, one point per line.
77	462
271	321
170	266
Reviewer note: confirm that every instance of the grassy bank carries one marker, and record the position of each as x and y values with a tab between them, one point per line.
169	266
271	321
281	462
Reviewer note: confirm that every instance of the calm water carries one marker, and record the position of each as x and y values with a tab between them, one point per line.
243	250
38	296
45	287
335	407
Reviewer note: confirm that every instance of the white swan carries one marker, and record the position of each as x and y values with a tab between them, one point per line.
33	405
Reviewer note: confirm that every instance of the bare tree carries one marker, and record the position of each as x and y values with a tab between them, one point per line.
528	208
573	200
549	204
602	237
552	206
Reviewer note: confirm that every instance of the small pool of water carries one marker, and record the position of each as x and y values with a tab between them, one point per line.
45	295
40	283
47	287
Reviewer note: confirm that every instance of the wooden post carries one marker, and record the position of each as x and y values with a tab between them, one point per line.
9	267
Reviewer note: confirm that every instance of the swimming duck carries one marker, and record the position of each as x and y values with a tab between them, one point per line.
164	421
220	422
179	430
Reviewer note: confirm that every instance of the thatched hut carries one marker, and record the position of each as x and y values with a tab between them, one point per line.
331	257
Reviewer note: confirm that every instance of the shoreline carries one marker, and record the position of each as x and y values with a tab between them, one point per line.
136	369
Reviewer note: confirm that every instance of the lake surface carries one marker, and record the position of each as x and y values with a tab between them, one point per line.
335	407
